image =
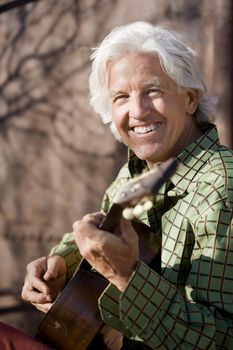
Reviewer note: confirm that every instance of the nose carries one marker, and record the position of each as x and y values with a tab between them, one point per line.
139	107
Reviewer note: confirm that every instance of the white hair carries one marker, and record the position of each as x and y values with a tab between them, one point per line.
177	59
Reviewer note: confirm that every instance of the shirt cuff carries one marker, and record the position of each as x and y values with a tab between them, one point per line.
68	250
145	300
109	309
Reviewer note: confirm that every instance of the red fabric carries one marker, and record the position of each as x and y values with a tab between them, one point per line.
13	339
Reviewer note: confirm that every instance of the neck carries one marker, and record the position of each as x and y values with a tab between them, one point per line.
194	132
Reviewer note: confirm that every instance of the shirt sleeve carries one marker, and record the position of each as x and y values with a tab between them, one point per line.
67	248
154	311
199	317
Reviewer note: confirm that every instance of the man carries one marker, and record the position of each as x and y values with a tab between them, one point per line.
146	83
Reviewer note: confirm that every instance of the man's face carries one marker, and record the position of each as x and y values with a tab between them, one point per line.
151	115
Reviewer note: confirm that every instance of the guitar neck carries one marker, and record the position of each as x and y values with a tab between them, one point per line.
112	218
146	185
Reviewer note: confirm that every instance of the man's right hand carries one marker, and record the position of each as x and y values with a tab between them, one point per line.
45	278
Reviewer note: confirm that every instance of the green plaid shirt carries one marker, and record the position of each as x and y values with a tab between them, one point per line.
190	304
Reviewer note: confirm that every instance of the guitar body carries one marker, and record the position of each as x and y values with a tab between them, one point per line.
74	319
74	322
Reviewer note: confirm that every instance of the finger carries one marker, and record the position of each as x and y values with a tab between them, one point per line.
113	339
37	267
88	238
127	231
53	269
43	307
93	218
88	227
35	296
34	287
38	285
115	343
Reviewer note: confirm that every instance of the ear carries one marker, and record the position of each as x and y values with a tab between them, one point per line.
191	101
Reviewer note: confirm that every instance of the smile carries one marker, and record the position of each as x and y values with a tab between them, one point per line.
146	129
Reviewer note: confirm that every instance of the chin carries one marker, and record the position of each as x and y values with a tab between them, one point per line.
149	155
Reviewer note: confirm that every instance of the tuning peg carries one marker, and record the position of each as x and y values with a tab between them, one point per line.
138	210
128	213
147	205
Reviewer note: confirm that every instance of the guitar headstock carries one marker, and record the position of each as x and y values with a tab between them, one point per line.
138	192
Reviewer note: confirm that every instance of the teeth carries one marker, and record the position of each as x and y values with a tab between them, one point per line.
145	129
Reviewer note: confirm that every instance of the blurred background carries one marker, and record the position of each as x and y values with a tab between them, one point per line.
56	157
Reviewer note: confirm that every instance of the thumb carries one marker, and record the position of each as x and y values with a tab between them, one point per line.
128	232
52	271
126	225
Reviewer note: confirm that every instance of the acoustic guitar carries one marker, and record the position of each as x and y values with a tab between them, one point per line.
74	322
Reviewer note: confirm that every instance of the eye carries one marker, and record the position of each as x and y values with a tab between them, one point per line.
154	91
120	97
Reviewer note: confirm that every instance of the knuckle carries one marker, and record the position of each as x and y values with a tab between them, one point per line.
76	225
87	217
23	294
30	265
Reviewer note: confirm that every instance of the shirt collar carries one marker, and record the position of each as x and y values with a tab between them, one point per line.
192	159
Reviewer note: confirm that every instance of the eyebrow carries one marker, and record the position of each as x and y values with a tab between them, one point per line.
152	82
146	84
114	93
156	82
